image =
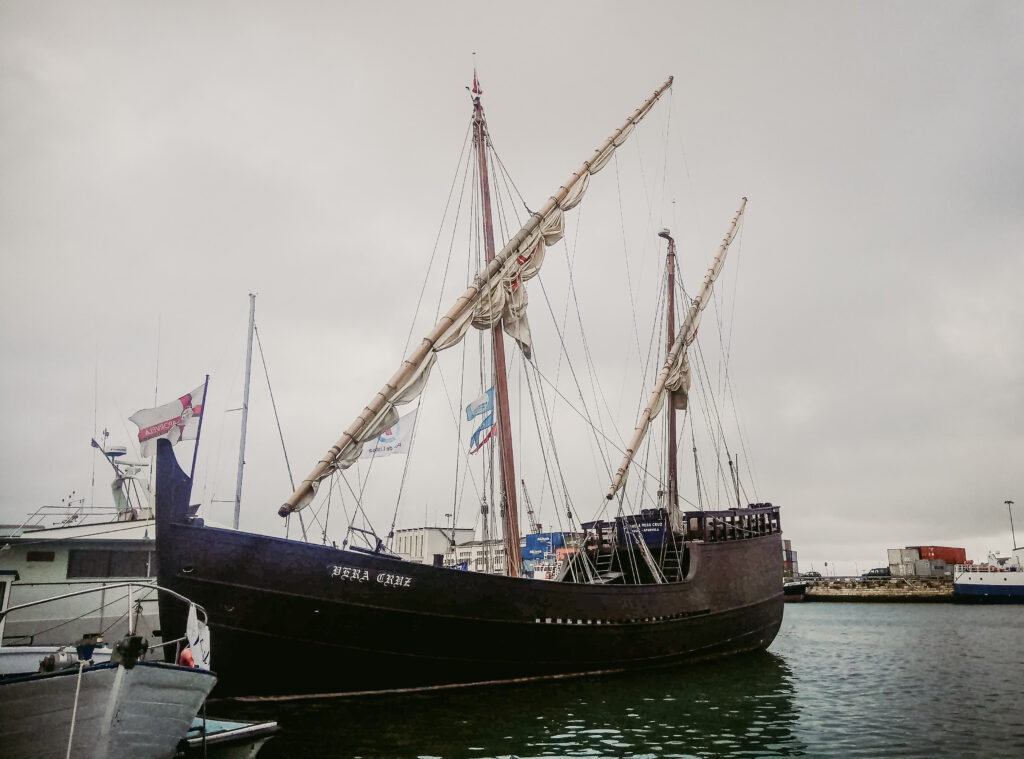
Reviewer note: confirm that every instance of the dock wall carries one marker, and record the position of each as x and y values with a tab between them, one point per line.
894	589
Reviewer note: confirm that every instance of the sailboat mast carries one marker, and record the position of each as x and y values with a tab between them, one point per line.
245	410
522	243
509	506
670	336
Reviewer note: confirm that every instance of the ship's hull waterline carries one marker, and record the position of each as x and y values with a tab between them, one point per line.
319	620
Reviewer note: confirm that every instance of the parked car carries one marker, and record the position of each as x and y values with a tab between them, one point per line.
876	572
816	575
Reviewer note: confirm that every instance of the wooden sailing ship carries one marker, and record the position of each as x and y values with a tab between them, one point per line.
643	589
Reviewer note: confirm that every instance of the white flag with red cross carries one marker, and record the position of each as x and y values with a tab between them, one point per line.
174	421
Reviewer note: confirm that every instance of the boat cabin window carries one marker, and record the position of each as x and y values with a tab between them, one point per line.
41	555
99	563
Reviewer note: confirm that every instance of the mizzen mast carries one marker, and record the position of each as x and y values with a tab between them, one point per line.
509	505
676	367
670	334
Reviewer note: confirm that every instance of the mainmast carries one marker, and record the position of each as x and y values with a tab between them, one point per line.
516	262
670	336
509	507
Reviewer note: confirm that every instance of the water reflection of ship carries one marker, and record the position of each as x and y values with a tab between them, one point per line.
739	706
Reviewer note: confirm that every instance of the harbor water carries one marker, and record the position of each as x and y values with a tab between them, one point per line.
841	680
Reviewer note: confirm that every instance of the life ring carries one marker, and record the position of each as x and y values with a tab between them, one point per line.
186	660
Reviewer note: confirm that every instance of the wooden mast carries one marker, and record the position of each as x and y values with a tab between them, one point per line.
350	437
509	506
686	335
670	336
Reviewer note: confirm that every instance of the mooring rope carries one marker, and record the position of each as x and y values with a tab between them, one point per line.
74	710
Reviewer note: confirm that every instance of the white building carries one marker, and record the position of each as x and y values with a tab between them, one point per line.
423	544
479	556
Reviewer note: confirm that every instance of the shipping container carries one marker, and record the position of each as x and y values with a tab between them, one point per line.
540	544
947	554
909	555
895	556
903	570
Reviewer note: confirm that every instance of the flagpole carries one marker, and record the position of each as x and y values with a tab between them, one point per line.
199	431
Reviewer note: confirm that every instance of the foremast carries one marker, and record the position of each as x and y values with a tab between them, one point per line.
509	504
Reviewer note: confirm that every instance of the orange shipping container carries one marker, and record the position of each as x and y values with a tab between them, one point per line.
945	553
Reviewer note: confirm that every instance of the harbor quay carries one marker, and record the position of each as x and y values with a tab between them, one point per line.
882	590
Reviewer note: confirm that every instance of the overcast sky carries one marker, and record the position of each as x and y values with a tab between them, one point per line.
159	161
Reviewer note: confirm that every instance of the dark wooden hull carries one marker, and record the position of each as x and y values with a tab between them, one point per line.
291	618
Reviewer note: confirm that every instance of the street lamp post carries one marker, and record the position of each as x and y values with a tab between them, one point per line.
452	539
1013	535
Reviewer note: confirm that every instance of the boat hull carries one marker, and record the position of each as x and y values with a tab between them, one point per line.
74	559
794	592
1006	587
319	620
116	712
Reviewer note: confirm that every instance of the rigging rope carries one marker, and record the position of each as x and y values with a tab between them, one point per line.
273	405
440	228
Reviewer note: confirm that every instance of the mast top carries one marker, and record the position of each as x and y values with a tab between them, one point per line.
476	90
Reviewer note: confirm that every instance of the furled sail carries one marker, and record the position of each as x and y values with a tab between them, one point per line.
675	372
496	293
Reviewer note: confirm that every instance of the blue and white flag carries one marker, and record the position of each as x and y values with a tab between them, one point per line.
393	440
481	405
483	433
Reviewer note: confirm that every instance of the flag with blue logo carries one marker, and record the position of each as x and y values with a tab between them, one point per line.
481	405
393	440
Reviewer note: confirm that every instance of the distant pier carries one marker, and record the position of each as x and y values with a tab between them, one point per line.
887	590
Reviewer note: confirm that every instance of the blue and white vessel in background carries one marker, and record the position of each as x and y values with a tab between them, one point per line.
1000	580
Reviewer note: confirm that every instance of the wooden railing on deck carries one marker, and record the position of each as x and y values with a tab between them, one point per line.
755	521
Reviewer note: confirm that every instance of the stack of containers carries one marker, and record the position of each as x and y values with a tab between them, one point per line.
903	562
789	564
924	561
